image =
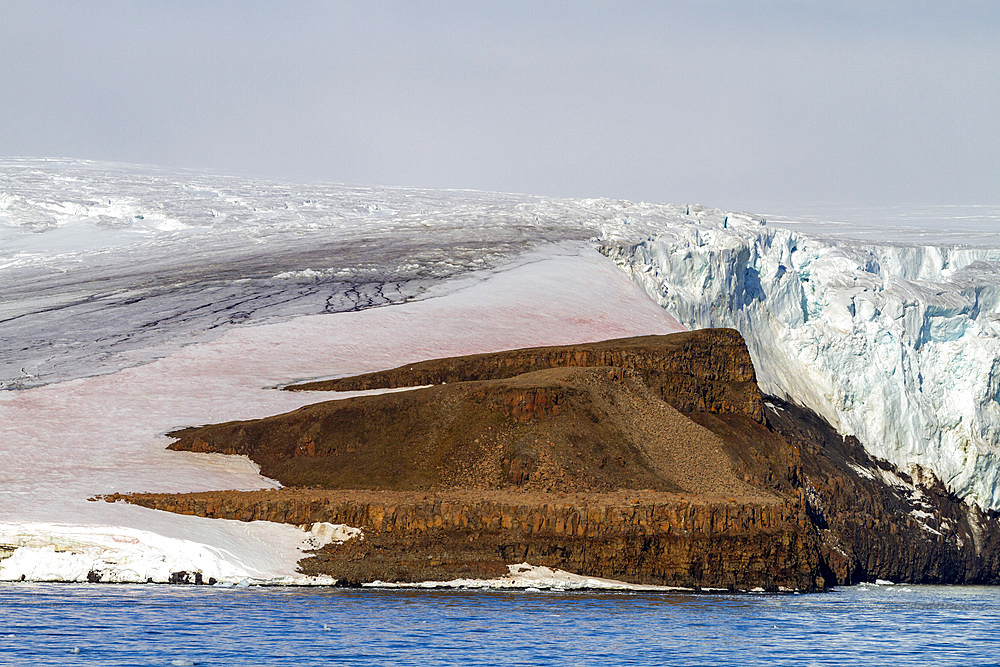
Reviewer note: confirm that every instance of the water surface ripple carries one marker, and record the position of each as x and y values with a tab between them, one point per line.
51	624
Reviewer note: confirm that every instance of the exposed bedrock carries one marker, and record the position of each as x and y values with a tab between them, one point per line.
878	522
651	460
519	419
709	369
641	537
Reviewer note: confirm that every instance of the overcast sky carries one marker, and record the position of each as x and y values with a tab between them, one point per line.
750	104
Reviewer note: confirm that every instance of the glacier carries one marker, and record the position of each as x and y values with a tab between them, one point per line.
106	265
136	300
898	345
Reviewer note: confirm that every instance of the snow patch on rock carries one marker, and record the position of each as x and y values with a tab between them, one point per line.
323	533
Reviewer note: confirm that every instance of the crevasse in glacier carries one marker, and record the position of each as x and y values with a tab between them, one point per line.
896	344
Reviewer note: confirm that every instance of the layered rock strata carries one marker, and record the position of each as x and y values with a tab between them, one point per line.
640	537
653	460
708	369
546	419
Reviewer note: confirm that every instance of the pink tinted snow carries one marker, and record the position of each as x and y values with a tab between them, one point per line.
62	443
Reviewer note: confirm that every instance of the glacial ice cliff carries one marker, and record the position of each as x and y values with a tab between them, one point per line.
896	344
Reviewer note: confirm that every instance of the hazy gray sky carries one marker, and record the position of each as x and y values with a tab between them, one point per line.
739	104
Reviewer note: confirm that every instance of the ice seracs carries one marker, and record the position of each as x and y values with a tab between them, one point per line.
898	345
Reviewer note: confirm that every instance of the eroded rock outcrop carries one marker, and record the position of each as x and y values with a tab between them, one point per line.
651	460
708	369
878	522
641	537
519	419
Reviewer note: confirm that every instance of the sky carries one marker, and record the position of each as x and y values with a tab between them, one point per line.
738	104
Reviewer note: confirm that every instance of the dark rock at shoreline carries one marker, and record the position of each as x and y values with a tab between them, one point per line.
878	522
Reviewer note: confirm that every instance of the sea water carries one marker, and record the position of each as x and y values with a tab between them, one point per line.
53	624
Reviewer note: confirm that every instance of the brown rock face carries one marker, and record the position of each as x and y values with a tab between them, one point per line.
708	369
568	429
878	522
473	472
650	460
641	537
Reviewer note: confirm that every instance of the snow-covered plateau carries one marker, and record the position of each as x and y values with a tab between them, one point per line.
136	300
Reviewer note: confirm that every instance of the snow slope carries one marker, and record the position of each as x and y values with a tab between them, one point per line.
106	265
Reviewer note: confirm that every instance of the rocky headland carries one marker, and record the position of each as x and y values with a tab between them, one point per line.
653	460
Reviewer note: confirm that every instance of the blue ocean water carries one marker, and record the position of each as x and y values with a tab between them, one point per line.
53	624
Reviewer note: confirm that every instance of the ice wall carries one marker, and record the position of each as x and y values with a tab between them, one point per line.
896	344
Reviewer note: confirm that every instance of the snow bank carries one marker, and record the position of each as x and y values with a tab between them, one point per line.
55	552
116	554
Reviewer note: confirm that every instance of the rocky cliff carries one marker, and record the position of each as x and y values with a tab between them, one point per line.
709	369
878	522
651	460
641	536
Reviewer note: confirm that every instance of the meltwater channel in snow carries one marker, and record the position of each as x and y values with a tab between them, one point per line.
131	299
